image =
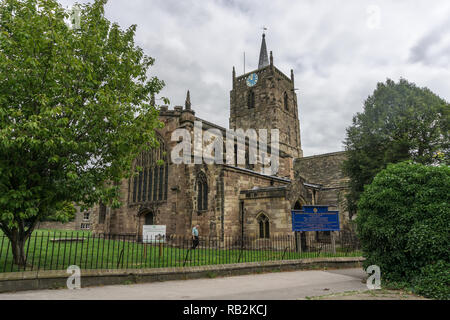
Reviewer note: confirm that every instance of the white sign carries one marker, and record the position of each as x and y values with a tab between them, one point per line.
153	233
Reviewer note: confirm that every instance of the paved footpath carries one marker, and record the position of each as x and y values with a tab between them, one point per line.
275	285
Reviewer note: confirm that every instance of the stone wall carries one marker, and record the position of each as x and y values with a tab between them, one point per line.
269	111
53	225
325	170
235	182
78	223
271	202
180	211
228	187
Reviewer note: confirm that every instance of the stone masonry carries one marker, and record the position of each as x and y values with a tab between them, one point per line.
224	199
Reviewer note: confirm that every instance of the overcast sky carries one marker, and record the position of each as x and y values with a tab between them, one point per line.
338	52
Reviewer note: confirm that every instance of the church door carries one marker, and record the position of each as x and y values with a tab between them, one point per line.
149	218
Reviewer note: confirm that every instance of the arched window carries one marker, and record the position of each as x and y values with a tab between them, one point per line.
101	213
264	226
289	136
248	165
286	101
150	184
251	99
202	192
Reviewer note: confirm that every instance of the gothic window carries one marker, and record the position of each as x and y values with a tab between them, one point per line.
289	136
101	214
150	184
139	187
247	160
134	189
161	183
248	165
202	192
144	186
286	102
264	226
155	183
251	99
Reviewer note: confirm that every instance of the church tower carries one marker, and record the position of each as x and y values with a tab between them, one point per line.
265	99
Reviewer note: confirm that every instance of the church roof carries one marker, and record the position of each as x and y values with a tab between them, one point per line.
281	179
263	58
264	189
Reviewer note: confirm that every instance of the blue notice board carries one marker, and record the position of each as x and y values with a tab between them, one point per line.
315	218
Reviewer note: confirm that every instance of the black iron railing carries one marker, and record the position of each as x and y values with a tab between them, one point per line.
58	250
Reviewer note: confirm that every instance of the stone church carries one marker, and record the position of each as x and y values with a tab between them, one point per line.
229	200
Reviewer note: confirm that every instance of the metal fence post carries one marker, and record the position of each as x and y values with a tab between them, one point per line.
299	241
333	243
40	252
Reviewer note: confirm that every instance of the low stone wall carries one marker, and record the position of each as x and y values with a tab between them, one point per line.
34	280
54	225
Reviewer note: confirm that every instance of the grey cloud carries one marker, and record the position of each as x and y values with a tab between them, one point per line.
337	59
434	47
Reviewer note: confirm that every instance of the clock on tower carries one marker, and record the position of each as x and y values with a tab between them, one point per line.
252	79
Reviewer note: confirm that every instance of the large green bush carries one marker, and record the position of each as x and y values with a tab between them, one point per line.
404	226
433	281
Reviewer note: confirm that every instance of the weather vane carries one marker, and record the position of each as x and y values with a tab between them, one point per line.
264	29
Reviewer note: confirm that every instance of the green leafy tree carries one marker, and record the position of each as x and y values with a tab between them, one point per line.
403	225
66	213
75	109
400	121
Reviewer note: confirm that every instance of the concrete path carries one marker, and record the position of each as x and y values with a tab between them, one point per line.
276	286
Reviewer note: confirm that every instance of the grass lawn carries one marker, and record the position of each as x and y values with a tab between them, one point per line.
56	250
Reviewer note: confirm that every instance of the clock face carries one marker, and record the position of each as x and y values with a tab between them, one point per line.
252	79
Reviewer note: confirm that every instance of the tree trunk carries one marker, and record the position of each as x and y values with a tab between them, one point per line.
18	240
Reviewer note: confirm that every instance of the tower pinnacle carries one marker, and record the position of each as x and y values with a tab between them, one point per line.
187	103
263	58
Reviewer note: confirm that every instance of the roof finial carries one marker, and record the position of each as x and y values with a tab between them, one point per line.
187	103
263	59
234	76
